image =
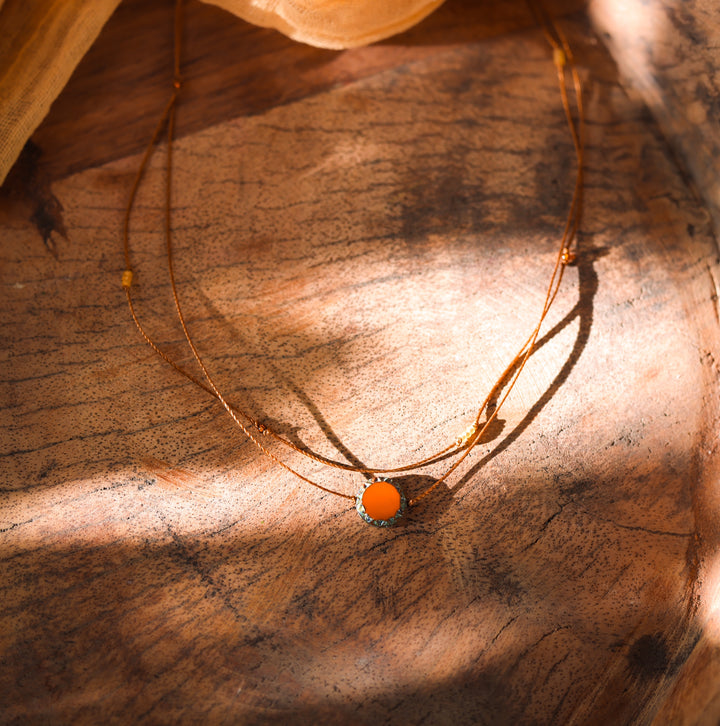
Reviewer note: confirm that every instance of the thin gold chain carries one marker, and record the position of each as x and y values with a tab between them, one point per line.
462	446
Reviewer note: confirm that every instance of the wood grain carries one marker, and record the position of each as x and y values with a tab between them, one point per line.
232	69
668	54
358	266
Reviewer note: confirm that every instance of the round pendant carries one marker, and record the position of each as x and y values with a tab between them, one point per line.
381	503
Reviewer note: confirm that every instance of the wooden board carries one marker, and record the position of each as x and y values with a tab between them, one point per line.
109	106
668	55
357	268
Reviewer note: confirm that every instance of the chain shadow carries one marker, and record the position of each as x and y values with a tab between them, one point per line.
407	482
588	284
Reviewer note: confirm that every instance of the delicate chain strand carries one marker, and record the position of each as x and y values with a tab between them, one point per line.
211	389
563	57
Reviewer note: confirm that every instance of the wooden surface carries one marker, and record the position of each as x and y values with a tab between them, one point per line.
358	266
109	107
669	54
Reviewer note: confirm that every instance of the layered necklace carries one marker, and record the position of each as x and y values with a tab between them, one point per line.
380	500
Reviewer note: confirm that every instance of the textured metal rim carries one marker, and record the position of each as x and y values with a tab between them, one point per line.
381	522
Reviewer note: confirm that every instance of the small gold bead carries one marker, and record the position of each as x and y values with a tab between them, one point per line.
466	436
127	278
559	57
567	257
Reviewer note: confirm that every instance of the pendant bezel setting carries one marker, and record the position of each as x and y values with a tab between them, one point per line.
360	507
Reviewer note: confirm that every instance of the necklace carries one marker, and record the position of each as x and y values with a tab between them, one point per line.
380	501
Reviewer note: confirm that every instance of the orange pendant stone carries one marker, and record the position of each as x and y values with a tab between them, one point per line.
381	503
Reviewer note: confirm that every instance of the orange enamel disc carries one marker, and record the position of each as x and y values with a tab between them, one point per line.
381	500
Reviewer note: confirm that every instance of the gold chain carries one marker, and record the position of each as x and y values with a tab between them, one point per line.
461	446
